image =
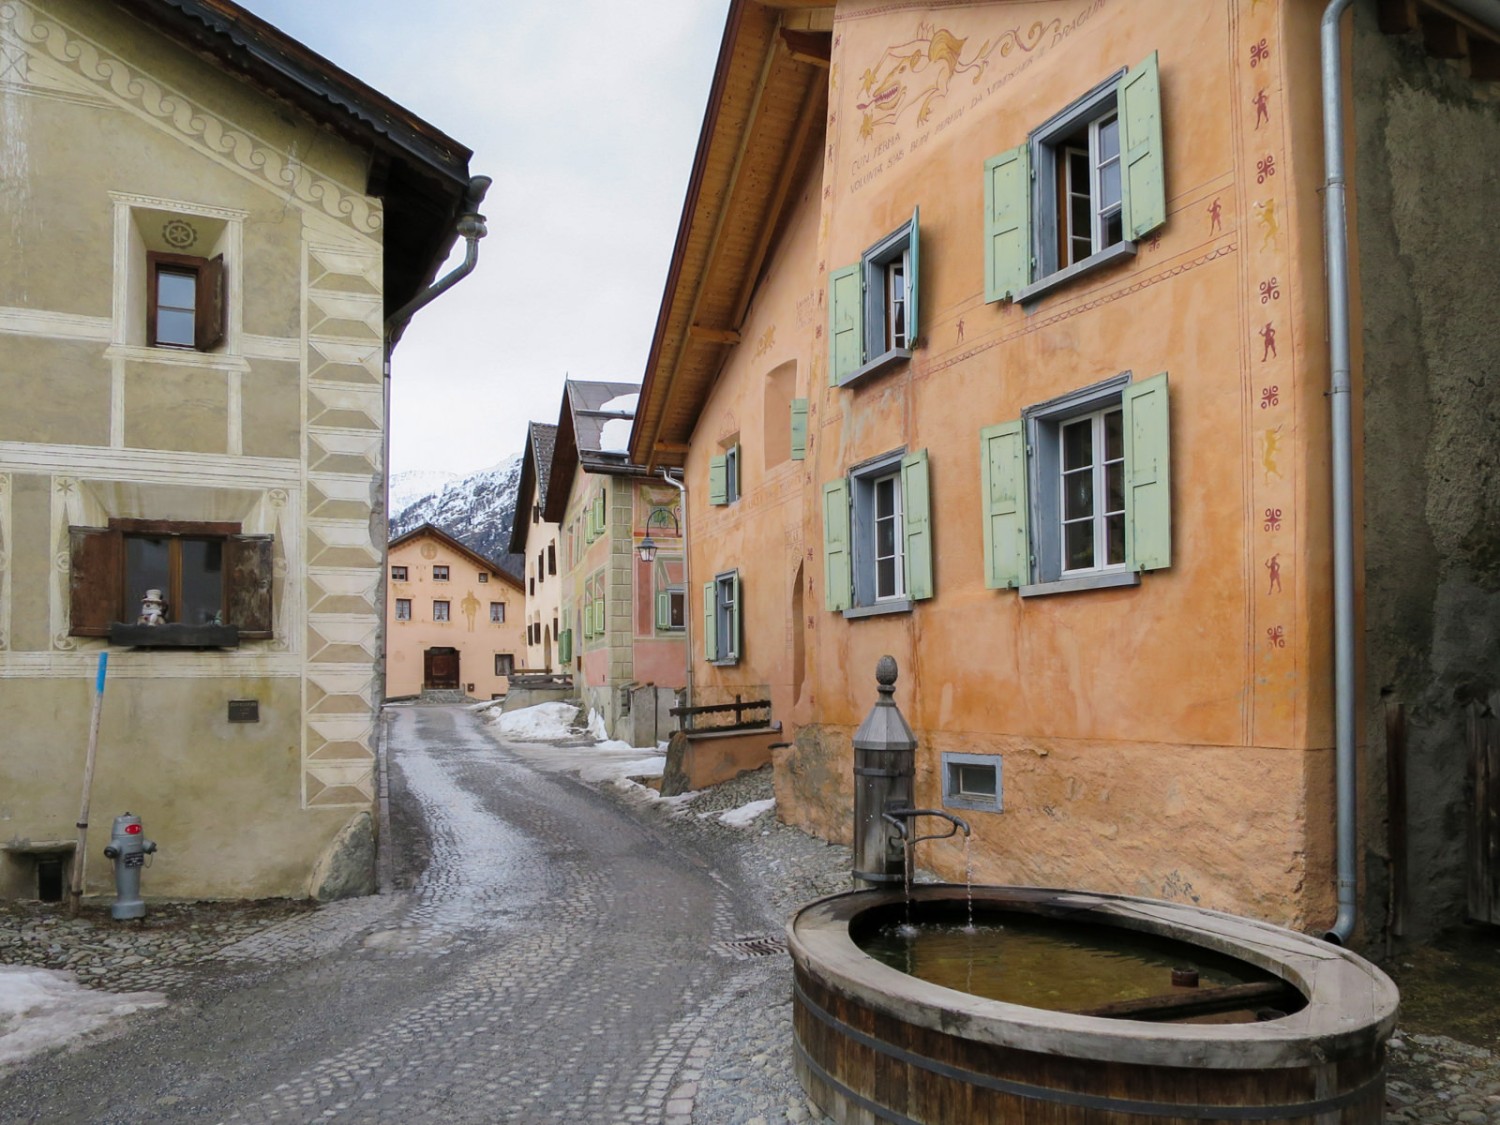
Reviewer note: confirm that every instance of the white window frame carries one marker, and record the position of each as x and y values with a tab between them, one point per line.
878	264
1097	471
724	607
732	473
447	611
677	599
403	609
864	559
1043	429
497	613
1048	144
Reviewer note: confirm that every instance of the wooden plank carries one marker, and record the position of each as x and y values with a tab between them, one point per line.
1443	37
1197	1002
1398	17
704	335
1484	60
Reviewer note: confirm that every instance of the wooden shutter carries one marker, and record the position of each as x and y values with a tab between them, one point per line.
799	429
1148	480
718	480
1002	465
913	273
1144	181
601	507
209	315
735	633
710	621
247	585
837	576
601	615
1007	223
916	518
846	323
95	572
565	647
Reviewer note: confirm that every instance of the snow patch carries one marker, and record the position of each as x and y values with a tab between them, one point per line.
541	722
621	404
745	815
596	726
44	1008
614	436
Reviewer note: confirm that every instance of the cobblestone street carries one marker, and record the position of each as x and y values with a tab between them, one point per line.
552	951
557	959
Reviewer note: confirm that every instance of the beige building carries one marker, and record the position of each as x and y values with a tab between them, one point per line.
455	620
213	238
534	537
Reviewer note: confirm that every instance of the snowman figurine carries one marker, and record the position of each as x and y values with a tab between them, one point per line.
153	609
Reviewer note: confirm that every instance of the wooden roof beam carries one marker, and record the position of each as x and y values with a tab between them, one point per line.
705	335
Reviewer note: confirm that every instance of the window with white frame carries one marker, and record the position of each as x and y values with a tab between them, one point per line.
1079	191
877	538
440	611
403	609
1077	493
872	306
722	600
497	613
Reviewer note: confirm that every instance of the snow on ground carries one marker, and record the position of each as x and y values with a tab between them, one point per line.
744	816
44	1008
589	755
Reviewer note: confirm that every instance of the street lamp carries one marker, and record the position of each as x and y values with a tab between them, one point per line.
647	549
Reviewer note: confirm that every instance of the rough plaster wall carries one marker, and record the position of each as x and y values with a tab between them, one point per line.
1428	146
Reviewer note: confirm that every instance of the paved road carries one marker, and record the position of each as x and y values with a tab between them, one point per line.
556	960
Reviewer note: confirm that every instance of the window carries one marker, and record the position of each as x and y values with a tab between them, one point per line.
484	576
872	306
403	609
398	574
440	574
505	664
497	612
877	537
671	608
721	619
440	611
972	781
552	558
1077	493
724	476
184	301
208	574
1079	191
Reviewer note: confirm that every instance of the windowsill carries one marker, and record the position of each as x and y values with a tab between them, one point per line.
879	609
973	804
877	365
1039	289
724	663
174	636
181	357
1104	581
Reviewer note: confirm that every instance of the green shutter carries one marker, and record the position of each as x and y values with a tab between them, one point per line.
718	480
836	573
663	609
1002	461
1144	181
738	611
601	608
564	646
916	518
846	323
913	273
799	429
710	621
603	512
1007	223
1148	478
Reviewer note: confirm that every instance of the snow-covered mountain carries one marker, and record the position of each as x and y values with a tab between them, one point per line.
477	510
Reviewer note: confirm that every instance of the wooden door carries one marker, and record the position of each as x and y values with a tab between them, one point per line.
440	668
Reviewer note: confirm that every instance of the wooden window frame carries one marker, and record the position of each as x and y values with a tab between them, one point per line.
210	308
497	613
398	574
403	604
484	576
447	611
443	577
98	599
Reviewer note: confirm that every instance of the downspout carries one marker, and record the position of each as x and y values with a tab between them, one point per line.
687	581
1337	241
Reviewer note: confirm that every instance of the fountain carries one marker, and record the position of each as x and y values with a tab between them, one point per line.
943	1003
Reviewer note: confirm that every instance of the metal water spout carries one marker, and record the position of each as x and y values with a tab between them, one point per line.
901	820
884	762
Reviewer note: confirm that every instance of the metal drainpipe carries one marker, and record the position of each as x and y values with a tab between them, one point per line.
1337	238
687	581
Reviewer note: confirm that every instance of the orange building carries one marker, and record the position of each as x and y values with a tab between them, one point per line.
995	339
455	620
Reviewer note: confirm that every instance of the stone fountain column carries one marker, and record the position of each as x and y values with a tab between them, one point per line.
884	763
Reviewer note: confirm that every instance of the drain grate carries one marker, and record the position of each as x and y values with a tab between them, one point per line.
743	948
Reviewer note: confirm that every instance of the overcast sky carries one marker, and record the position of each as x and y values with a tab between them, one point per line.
586	114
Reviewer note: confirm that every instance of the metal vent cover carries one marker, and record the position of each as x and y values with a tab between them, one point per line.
744	948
